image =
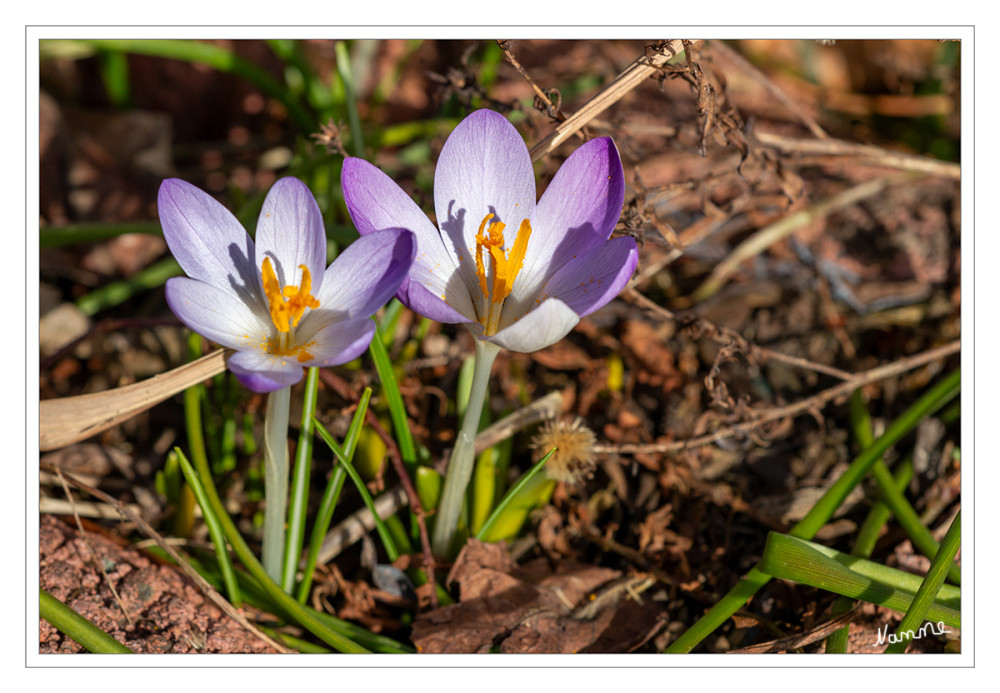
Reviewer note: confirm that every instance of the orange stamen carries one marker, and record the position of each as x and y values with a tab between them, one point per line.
505	266
287	305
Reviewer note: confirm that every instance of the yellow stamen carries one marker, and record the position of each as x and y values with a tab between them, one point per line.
505	266
287	305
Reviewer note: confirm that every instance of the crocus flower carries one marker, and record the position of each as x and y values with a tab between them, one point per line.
274	301
517	273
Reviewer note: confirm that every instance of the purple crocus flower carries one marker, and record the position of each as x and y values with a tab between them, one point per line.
517	273
275	302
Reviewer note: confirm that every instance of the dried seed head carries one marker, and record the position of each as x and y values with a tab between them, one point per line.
573	460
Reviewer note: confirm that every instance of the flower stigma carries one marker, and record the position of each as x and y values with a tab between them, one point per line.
286	307
505	266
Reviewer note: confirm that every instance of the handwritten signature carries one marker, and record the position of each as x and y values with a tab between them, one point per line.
884	636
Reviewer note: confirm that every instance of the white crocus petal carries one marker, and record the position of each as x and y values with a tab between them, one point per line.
217	315
207	240
484	168
339	343
544	326
290	232
263	372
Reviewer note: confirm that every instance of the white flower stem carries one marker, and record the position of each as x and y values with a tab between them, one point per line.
275	480
463	455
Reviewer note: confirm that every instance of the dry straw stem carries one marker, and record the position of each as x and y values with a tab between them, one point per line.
69	420
640	69
178	557
809	404
769	235
863	153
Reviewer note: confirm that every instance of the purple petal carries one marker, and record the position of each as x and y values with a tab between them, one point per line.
216	314
367	273
578	211
208	242
376	202
591	280
418	298
544	326
263	372
290	232
483	168
340	342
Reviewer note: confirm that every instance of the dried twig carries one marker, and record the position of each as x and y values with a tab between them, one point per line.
803	406
178	557
865	153
640	69
554	110
93	553
802	639
754	73
758	353
767	236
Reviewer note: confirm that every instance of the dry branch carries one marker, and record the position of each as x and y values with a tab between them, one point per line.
640	69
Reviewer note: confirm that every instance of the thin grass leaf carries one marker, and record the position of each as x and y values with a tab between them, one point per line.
397	410
255	596
524	482
797	560
350	97
71	234
923	605
116	293
387	543
299	501
214	530
864	543
324	515
75	626
216	57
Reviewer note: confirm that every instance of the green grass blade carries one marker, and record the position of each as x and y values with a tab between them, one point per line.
216	57
55	236
387	543
324	515
299	501
924	602
77	627
350	97
118	292
397	410
524	483
797	560
864	544
214	531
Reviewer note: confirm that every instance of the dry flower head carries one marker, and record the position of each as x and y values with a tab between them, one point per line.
573	460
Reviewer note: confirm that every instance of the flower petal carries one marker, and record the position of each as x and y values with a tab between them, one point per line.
484	167
263	372
375	202
591	280
362	278
577	212
290	232
341	342
208	242
216	314
544	326
418	298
